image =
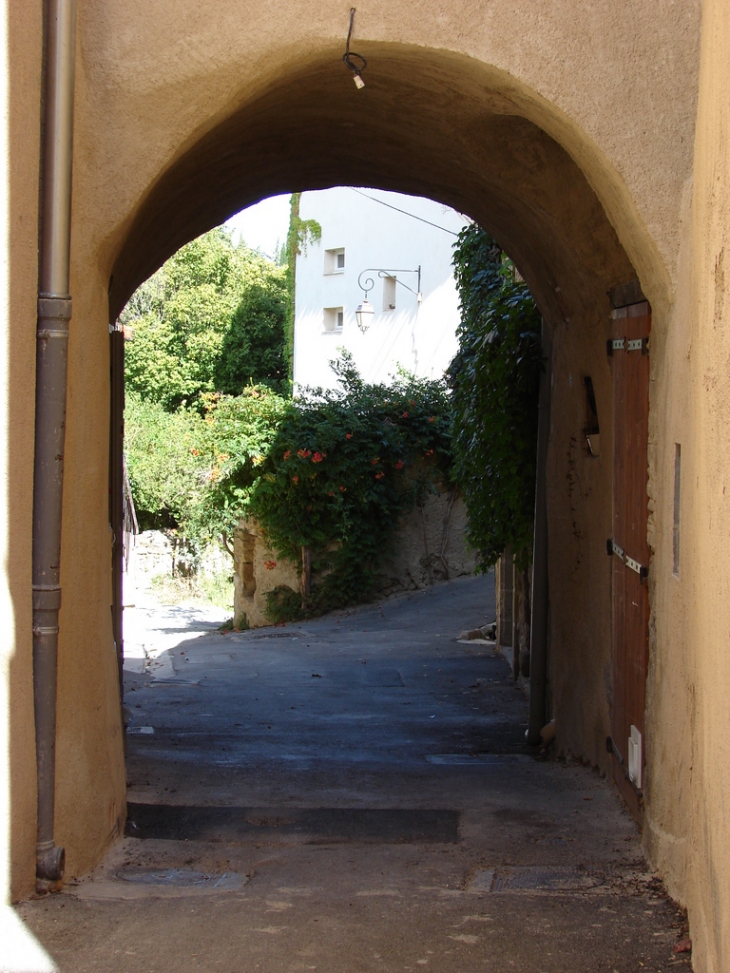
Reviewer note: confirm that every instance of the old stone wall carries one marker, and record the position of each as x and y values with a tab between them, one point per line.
257	571
430	546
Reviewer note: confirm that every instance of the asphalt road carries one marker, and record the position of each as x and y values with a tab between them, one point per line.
355	794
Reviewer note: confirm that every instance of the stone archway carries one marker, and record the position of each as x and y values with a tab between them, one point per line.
429	122
456	131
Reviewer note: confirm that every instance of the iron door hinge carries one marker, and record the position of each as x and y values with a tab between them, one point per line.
613	548
626	344
614	344
635	566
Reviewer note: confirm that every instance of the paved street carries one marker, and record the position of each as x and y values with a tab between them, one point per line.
353	794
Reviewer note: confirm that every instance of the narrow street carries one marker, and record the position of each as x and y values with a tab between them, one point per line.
355	794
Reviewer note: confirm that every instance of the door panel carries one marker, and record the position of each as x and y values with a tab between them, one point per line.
630	366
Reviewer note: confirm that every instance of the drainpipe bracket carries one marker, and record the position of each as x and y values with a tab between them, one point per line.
53	314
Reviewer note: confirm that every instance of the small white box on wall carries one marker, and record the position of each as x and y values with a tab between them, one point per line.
635	757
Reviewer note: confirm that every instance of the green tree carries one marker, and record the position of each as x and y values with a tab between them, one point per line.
195	310
495	378
253	349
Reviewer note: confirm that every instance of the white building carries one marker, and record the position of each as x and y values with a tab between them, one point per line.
383	237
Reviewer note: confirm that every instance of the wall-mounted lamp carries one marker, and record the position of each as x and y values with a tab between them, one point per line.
365	311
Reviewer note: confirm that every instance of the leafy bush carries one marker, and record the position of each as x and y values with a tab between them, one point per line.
495	378
166	462
342	469
192	473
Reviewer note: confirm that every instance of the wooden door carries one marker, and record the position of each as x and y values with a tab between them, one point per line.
629	358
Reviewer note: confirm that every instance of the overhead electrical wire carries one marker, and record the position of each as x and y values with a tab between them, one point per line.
413	216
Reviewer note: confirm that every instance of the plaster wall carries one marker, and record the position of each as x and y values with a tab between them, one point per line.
21	55
695	736
569	133
373	233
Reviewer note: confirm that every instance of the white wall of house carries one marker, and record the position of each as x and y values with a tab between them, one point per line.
371	228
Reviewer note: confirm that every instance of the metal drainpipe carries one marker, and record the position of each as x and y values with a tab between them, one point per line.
539	626
54	312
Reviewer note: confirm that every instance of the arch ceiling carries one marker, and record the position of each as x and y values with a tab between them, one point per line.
427	124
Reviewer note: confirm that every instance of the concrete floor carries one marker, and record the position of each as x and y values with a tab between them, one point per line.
354	794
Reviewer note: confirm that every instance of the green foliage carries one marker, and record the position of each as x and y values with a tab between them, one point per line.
240	433
166	462
203	588
342	470
495	379
332	471
177	460
211	300
301	233
253	349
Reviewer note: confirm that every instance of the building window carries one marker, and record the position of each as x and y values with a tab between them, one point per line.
334	261
334	318
389	293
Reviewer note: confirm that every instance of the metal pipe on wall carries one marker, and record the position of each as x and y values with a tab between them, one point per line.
539	626
54	313
116	494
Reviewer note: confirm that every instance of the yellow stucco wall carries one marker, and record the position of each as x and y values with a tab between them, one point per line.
23	25
702	680
569	132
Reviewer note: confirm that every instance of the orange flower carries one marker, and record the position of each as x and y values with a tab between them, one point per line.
405	415
343	489
429	452
379	476
304	453
375	461
432	418
295	479
318	457
287	454
269	565
348	435
400	464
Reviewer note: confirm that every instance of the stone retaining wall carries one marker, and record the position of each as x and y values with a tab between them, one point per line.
430	547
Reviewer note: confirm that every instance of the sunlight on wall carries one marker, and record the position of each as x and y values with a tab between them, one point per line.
7	629
20	952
